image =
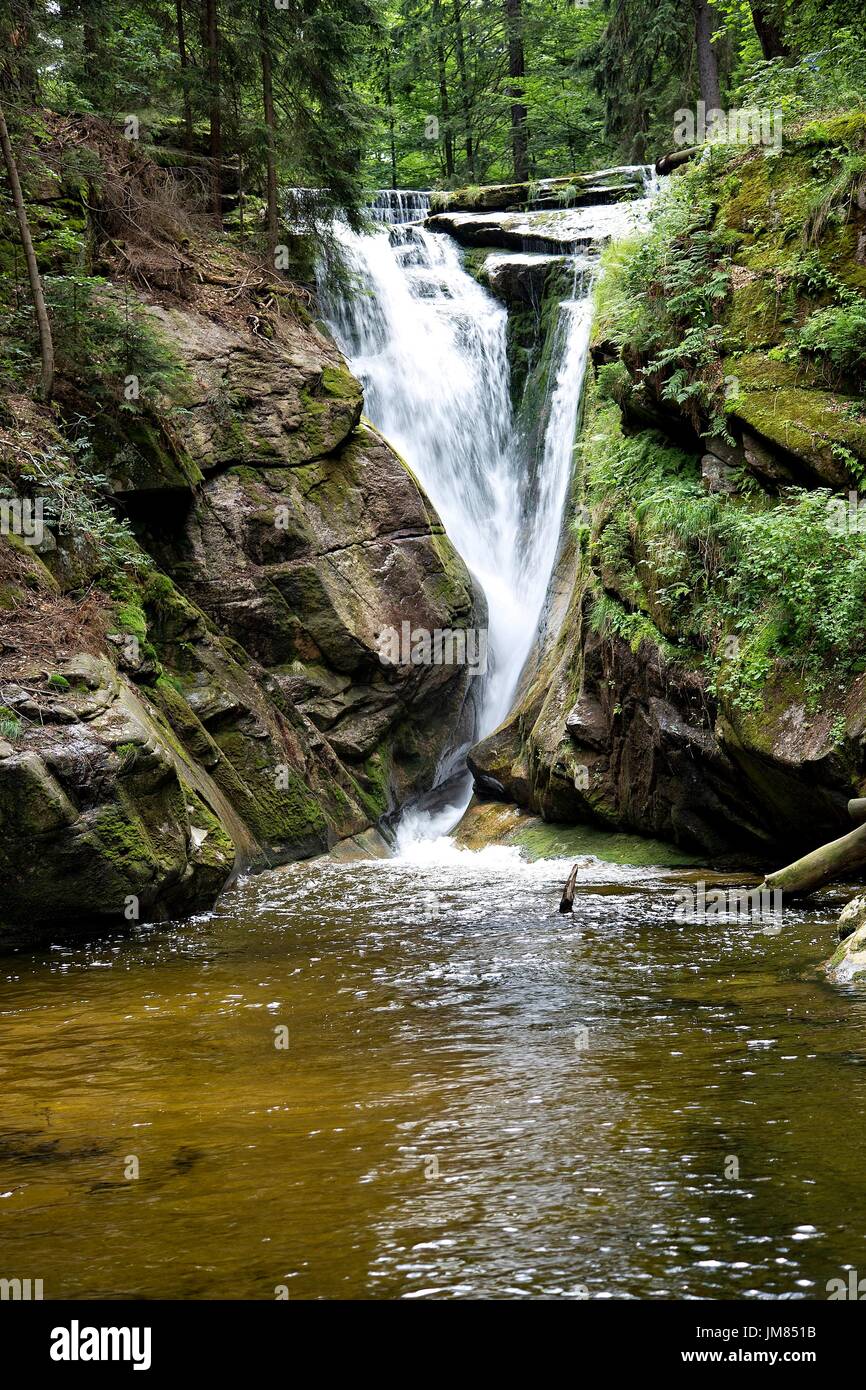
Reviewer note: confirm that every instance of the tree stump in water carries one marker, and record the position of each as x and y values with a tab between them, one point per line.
567	901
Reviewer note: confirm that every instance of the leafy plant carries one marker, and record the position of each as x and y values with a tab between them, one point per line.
762	587
837	333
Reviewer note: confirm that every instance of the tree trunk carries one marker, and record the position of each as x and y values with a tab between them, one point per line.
465	99
516	72
46	345
216	143
270	129
389	98
708	67
769	32
444	103
18	66
835	860
669	162
183	54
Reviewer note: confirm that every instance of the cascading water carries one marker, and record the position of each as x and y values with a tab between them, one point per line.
429	346
395	206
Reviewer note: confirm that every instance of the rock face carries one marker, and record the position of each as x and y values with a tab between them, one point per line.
521	281
100	814
222	702
644	747
622	724
550	234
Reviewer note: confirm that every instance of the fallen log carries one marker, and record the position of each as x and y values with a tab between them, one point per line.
567	900
669	162
837	859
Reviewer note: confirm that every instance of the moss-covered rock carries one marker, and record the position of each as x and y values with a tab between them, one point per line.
636	719
848	961
95	818
200	687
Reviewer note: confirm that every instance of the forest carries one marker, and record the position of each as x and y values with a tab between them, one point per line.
344	97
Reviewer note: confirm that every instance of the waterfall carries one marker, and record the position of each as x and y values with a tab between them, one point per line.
398	205
428	344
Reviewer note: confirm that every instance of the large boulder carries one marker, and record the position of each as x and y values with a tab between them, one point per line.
223	698
99	815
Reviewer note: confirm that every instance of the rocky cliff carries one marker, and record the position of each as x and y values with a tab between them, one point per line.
202	543
703	679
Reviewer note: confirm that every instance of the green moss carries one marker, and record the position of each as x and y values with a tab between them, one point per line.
144	457
129	618
124	842
374	787
756	317
339	383
816	425
280	807
217	850
473	259
846	128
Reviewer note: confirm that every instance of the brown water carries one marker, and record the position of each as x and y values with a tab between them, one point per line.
479	1097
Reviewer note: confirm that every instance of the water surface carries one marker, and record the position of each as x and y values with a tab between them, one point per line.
478	1098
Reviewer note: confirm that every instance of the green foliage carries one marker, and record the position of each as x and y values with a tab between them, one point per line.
614	383
664	296
438	74
837	333
763	588
101	337
642	65
10	724
827	78
75	498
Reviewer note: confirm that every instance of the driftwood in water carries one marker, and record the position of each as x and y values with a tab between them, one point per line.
837	859
567	901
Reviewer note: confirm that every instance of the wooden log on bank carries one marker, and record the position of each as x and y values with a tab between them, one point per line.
567	901
669	162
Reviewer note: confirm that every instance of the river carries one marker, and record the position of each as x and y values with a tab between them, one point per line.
478	1096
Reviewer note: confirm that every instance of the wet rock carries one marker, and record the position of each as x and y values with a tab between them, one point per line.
240	714
645	748
550	233
848	961
521	280
83	832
